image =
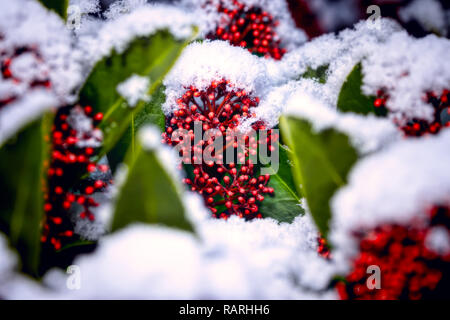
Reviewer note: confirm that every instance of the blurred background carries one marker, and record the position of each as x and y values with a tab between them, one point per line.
316	17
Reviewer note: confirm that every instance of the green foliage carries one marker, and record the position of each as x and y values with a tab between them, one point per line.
151	113
319	74
149	194
284	205
22	176
351	97
321	162
59	6
152	57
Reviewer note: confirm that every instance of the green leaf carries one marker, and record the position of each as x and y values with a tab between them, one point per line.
319	74
151	113
152	57
149	194
284	205
321	162
351	97
22	177
59	6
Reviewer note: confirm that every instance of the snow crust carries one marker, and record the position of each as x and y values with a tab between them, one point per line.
134	89
392	186
202	63
367	133
123	27
27	24
407	68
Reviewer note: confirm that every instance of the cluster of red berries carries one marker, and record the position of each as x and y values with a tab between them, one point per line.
251	28
419	127
5	67
323	249
409	268
228	186
72	149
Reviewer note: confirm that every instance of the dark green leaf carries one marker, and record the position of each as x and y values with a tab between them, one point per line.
149	194
59	6
151	113
284	205
151	56
351	97
21	190
321	162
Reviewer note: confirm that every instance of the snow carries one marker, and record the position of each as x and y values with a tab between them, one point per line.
118	32
429	13
340	52
202	63
86	6
26	24
234	259
23	111
367	133
134	89
208	18
87	134
8	260
392	186
407	68
438	240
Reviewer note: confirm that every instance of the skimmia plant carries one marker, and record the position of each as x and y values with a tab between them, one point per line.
211	135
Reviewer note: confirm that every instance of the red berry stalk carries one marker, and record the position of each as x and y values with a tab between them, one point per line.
227	188
418	127
70	160
409	269
251	28
5	67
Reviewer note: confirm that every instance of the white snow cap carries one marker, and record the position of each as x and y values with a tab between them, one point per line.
429	13
23	111
8	260
27	24
134	89
209	19
407	68
234	259
392	186
339	52
202	63
367	133
118	32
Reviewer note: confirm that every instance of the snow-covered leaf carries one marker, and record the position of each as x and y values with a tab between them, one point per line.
352	99
284	205
22	170
321	162
151	57
151	113
151	192
59	6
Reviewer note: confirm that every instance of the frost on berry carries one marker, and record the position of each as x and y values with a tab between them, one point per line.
249	27
229	186
415	127
410	267
75	139
20	67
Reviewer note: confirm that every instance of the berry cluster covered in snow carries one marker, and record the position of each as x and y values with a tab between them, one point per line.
394	212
